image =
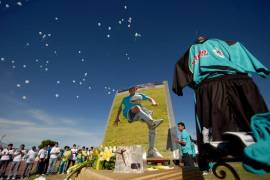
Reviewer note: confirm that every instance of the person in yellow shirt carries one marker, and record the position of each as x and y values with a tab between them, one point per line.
65	157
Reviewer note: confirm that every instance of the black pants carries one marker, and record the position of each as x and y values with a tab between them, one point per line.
188	160
70	163
41	166
3	167
46	164
226	103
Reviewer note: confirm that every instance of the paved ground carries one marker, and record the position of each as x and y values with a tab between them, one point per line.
53	177
242	173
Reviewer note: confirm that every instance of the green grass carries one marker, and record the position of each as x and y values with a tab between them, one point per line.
137	132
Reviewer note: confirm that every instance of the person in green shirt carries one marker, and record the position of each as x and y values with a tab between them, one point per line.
185	144
84	153
64	159
79	158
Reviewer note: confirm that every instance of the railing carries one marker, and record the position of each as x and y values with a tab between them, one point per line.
221	174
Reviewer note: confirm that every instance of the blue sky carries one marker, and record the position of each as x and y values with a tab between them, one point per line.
75	44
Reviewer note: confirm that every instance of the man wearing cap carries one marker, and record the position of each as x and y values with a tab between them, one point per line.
134	111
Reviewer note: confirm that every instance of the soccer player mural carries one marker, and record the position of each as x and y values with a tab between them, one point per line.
142	115
133	110
225	95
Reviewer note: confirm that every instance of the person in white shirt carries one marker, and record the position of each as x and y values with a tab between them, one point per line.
42	155
1	149
6	157
54	154
91	150
15	164
72	159
30	158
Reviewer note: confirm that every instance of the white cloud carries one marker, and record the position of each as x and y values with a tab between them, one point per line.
29	133
41	116
48	119
67	121
30	126
9	122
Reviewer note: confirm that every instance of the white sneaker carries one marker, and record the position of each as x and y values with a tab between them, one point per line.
156	123
154	153
13	178
157	154
205	173
205	133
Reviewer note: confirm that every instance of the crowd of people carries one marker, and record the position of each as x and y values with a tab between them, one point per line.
43	161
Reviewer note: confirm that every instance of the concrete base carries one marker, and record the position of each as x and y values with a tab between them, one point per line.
178	173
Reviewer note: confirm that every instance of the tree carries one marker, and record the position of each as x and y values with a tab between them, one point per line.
47	142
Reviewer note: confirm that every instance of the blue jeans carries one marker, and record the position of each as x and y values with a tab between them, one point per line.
51	167
14	168
27	169
62	167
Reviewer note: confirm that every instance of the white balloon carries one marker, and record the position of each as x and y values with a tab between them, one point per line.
19	3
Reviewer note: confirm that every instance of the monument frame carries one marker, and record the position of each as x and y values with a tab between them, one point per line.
172	149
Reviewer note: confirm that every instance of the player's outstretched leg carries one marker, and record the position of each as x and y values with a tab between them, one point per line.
146	117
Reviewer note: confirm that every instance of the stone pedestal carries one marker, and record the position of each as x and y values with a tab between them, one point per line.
129	159
178	173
